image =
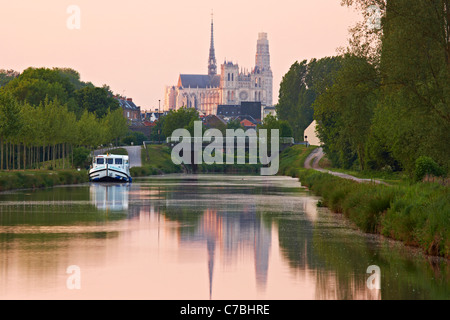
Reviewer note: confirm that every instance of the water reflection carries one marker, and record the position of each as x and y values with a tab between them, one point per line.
230	235
113	196
199	237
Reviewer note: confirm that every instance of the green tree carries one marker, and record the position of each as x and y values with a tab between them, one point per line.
345	112
416	72
156	132
291	86
299	89
135	138
234	124
272	123
96	100
89	130
10	121
6	76
180	119
115	125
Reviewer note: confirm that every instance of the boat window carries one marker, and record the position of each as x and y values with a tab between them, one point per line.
100	161
119	161
110	161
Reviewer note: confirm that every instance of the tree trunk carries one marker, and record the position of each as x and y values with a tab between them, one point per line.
13	160
18	156
447	25
7	157
55	153
1	152
361	158
24	157
30	157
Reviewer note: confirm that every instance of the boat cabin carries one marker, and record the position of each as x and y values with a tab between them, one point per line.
116	160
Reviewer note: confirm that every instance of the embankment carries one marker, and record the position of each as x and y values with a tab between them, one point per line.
40	179
156	160
418	214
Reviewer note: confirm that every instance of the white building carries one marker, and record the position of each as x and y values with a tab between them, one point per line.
231	87
311	135
269	111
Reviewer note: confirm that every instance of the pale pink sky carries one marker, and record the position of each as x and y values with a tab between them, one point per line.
139	46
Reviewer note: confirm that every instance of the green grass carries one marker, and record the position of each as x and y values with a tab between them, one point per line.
416	214
387	176
118	151
59	164
292	160
40	179
159	157
156	159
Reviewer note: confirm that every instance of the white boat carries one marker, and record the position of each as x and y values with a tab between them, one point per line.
110	168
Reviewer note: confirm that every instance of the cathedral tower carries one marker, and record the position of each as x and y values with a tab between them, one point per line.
262	60
262	66
212	64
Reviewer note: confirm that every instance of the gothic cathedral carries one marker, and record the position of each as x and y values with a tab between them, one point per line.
231	87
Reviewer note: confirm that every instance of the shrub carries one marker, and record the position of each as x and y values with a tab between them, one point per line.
427	166
81	157
137	138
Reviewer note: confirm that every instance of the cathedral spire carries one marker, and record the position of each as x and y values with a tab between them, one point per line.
212	65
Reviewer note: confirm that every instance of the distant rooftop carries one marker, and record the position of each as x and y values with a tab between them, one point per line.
198	81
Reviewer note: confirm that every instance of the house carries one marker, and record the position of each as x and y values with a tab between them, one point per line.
130	110
311	135
252	109
229	111
153	116
269	111
247	124
214	122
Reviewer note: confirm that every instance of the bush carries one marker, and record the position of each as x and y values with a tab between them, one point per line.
135	138
427	166
81	157
119	152
144	171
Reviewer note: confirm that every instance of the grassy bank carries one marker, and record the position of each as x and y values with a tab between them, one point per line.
293	159
417	214
387	175
118	151
156	159
40	179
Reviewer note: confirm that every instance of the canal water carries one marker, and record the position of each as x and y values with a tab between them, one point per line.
200	237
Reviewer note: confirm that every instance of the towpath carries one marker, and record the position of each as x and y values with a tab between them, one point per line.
312	162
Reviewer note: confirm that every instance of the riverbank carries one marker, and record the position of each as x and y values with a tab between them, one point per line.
157	160
34	179
415	213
